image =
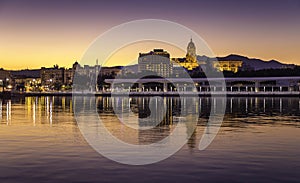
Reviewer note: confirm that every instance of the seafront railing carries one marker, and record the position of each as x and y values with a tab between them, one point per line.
159	86
154	93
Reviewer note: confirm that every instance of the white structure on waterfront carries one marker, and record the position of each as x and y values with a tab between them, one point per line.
246	85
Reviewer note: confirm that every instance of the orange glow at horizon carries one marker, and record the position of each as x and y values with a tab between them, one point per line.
34	52
129	54
35	48
37	34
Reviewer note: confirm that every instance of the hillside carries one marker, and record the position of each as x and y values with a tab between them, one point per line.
250	63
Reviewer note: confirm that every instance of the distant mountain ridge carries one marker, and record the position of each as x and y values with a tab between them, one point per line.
250	63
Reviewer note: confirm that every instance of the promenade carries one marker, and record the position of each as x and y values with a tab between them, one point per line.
252	86
153	93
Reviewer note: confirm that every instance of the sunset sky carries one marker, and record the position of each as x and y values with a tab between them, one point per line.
37	33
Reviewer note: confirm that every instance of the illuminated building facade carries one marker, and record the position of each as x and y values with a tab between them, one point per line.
157	61
5	80
52	78
232	66
26	80
190	61
68	77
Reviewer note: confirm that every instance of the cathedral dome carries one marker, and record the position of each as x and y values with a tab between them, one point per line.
191	45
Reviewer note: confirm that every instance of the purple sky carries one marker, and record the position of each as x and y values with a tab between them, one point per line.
35	32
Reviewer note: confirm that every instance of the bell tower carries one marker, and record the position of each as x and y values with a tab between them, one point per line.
191	52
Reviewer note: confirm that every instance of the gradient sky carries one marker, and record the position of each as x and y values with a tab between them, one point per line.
37	33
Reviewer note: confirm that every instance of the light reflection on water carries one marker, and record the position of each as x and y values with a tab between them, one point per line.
258	141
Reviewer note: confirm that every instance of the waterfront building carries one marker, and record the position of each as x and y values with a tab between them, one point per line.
27	84
190	61
52	78
232	66
107	71
68	77
87	75
5	80
27	80
60	78
157	61
86	70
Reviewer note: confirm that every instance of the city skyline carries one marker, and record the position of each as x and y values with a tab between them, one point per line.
43	33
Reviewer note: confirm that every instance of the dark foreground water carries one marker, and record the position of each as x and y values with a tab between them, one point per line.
259	141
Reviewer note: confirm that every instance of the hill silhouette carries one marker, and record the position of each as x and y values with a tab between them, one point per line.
249	63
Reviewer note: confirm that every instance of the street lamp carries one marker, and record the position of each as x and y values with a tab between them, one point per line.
5	83
51	87
2	84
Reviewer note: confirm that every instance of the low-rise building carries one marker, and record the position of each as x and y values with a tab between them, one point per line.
5	80
232	66
27	80
106	71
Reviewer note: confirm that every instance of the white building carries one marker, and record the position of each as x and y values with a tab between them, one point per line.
157	61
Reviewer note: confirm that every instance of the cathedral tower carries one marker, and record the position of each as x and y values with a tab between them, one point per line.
191	52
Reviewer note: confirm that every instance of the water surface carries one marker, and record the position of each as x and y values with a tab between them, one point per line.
258	142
